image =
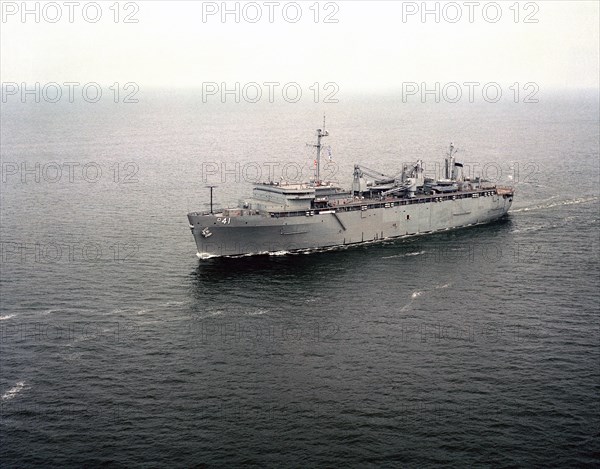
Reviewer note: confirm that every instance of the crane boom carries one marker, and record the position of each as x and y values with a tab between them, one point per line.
376	175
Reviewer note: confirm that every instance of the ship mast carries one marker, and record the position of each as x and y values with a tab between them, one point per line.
320	134
211	198
449	162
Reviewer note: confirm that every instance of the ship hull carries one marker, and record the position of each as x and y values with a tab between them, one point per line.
258	234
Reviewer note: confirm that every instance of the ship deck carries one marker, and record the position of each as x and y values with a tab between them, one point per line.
366	203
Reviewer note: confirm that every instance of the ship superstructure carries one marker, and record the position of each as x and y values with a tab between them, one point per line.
287	217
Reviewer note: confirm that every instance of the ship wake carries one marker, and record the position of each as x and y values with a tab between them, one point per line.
580	200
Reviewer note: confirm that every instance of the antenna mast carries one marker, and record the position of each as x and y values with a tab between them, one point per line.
211	198
320	134
449	161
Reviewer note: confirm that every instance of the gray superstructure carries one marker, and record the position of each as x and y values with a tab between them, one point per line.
282	217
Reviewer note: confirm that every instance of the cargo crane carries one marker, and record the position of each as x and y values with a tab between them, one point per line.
380	181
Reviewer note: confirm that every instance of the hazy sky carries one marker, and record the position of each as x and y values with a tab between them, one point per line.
370	48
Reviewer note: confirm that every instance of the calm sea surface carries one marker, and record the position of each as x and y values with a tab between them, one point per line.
474	347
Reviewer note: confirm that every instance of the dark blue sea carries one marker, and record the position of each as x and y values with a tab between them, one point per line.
119	348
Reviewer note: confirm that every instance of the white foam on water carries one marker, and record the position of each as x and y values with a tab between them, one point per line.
415	253
205	255
12	392
129	310
258	253
532	228
279	253
409	254
209	314
8	316
413	297
416	294
257	312
580	200
173	303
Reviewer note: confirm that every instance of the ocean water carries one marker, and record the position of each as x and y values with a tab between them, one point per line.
119	347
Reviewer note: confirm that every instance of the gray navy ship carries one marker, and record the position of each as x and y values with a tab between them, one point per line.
285	217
